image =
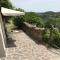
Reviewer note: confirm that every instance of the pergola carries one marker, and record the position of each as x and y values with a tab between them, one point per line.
5	12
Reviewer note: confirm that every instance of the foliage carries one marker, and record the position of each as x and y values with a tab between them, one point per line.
19	9
10	26
18	21
33	18
6	4
46	35
55	36
43	19
51	18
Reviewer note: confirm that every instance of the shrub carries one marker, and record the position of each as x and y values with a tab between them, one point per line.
55	37
40	24
18	21
46	35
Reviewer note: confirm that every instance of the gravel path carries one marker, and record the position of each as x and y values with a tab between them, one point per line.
22	47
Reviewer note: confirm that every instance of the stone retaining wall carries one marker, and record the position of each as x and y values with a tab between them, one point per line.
2	39
33	31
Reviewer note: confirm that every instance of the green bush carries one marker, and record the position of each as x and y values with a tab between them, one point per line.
40	24
33	18
46	35
55	36
18	21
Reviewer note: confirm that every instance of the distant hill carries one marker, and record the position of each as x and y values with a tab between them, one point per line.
49	13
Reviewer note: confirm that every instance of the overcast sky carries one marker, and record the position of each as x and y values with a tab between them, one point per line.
37	5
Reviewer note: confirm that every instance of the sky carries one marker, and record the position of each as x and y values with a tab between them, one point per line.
37	5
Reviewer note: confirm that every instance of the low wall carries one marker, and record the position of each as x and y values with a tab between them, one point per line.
32	31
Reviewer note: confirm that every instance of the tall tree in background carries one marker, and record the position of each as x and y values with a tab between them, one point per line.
5	3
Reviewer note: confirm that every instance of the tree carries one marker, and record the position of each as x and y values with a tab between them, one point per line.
33	18
18	21
5	3
19	9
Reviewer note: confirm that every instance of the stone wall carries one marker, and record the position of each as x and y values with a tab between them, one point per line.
32	31
2	39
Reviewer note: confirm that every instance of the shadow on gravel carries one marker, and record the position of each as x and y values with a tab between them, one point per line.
55	51
10	40
10	43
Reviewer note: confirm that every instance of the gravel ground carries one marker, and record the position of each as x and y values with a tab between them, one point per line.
22	47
